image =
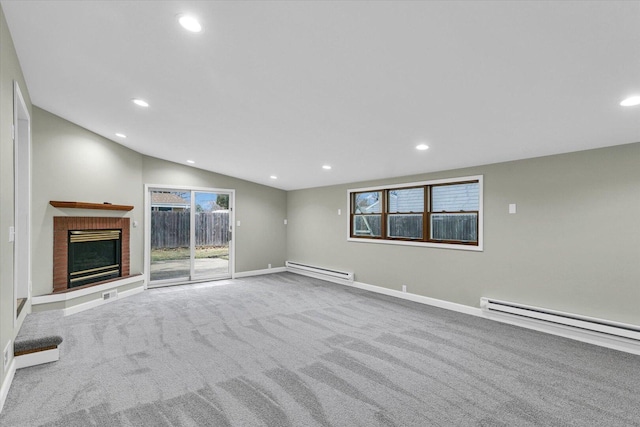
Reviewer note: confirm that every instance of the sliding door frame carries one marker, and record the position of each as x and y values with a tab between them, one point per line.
148	188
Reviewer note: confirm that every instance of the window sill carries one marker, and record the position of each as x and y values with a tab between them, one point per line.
472	248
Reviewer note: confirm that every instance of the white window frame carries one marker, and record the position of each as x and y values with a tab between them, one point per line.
383	241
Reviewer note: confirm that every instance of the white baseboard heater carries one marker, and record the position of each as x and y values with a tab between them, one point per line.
319	272
511	309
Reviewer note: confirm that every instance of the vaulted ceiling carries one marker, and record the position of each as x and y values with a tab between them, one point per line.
283	88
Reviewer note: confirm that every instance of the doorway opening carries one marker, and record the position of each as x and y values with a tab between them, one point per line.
22	204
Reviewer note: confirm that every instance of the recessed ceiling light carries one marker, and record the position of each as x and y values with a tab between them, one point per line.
140	102
631	101
190	161
273	177
422	147
121	135
190	23
326	167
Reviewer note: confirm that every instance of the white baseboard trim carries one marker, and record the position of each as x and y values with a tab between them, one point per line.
259	272
6	384
37	358
98	302
461	308
590	337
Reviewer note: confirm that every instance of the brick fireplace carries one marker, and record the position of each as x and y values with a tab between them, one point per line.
63	225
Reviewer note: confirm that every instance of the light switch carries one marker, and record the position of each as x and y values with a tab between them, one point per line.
339	211
512	208
285	222
12	233
238	224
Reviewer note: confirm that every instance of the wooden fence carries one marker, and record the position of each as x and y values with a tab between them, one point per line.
443	226
171	229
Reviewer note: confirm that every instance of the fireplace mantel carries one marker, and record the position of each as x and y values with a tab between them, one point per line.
87	205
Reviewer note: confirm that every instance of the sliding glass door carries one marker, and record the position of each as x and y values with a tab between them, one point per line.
189	234
212	235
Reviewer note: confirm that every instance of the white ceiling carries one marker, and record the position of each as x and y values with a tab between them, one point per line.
281	88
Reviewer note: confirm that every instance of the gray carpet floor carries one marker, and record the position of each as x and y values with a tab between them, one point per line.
287	350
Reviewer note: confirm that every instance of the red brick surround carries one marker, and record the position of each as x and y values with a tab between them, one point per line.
61	227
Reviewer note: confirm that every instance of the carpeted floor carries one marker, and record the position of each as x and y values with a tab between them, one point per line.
287	350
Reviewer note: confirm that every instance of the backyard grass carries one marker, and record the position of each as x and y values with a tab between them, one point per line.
170	254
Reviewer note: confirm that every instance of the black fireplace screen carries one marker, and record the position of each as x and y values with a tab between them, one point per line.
94	256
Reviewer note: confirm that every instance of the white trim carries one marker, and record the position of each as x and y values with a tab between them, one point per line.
37	358
259	272
418	183
188	187
590	337
100	301
474	248
180	282
460	308
23	315
420	244
22	200
6	384
66	296
147	234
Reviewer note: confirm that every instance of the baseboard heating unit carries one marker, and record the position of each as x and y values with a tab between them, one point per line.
319	272
506	311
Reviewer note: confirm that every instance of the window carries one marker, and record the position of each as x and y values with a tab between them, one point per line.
405	213
367	210
446	213
454	212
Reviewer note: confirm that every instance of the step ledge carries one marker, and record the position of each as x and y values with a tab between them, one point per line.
37	358
32	345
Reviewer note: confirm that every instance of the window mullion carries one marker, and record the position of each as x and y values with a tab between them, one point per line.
383	215
426	227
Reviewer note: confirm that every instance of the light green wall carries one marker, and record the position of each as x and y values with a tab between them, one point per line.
261	238
71	163
572	246
10	71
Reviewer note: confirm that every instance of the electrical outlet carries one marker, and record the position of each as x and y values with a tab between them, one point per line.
269	266
404	288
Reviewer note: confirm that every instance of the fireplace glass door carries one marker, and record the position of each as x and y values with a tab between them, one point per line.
189	235
94	256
